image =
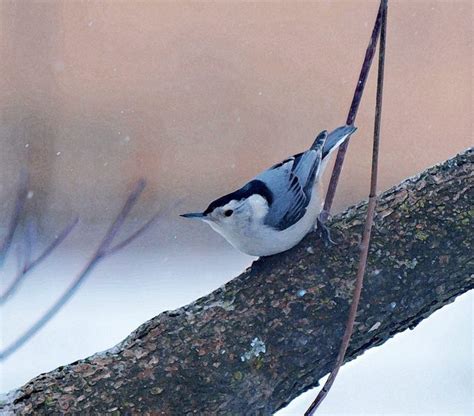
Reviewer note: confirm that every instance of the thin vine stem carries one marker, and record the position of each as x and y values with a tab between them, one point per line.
364	247
351	116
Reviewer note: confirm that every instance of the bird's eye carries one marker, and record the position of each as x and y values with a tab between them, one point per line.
228	212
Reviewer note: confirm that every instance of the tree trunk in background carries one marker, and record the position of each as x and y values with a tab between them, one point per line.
255	344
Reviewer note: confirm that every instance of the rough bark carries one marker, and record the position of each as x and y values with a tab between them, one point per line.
253	345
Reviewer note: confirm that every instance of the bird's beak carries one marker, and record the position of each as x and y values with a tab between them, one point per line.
197	215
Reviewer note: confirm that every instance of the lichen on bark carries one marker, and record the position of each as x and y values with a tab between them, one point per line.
256	343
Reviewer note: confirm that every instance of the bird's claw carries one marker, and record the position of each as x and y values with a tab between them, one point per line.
324	233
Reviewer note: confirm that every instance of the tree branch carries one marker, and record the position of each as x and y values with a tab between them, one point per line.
255	344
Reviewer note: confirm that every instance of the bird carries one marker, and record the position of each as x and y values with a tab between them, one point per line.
275	210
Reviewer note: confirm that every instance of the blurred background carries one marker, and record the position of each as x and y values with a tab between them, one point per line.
197	98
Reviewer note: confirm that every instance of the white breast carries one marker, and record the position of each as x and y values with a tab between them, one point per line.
257	239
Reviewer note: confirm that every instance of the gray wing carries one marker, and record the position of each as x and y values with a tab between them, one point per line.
291	183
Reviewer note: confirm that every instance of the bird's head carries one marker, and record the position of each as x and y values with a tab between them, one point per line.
235	212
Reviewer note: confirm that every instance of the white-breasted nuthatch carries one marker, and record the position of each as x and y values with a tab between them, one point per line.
276	209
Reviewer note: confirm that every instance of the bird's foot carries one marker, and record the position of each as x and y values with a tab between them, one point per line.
324	233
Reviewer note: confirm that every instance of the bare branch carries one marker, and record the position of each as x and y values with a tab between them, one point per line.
28	244
29	265
101	252
15	218
133	236
55	243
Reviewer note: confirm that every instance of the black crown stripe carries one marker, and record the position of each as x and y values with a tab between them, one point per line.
252	188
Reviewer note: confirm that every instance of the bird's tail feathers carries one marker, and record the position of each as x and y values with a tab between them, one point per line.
319	140
335	139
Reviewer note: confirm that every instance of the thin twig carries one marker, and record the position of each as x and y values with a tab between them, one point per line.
101	252
28	245
27	265
128	240
21	197
356	99
364	247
